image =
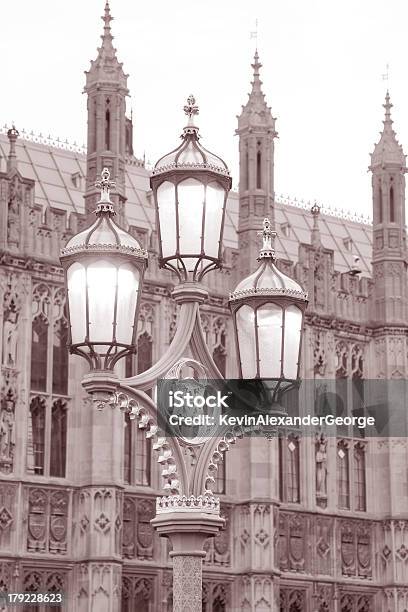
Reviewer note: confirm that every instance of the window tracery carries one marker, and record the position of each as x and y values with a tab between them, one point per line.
47	430
289	468
351	453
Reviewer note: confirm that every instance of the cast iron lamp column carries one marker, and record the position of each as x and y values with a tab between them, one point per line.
104	269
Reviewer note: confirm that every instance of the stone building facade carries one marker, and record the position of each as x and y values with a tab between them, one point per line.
312	524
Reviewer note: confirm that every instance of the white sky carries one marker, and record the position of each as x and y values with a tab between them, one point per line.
322	66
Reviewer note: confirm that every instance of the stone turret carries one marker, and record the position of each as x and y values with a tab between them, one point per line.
256	131
106	88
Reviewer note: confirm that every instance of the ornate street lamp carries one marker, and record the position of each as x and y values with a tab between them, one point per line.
104	268
190	187
268	309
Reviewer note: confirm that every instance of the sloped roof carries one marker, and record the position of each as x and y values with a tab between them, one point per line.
59	170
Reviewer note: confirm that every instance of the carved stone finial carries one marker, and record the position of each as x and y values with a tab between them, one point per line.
105	185
267	234
191	108
316	239
12	135
107	18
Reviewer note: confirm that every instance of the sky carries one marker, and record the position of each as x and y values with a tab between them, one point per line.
323	66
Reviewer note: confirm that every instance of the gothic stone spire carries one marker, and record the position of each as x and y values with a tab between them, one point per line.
256	130
256	112
106	67
388	150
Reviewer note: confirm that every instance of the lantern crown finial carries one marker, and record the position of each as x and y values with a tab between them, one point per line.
267	251
105	184
191	109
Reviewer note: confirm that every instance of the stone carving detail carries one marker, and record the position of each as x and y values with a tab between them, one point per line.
186	585
47	521
8	398
324	545
216	596
58	522
321	469
401	550
292	552
44	580
12	302
356	603
105	585
6	578
323	595
15	200
7	514
356	548
137	593
138	535
102	511
218	548
292	600
118	521
319	353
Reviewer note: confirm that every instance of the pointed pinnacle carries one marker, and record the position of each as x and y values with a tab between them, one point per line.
107	17
388	106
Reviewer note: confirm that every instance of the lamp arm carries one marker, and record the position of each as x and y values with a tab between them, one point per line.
189	311
201	352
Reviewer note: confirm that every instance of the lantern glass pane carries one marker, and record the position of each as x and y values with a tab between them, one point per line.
190	208
128	286
214	205
76	281
166	203
293	330
269	319
245	321
102	291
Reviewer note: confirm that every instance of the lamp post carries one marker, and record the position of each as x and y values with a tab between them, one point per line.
104	269
267	309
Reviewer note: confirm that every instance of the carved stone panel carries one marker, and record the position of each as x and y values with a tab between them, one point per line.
47	521
7	515
138	535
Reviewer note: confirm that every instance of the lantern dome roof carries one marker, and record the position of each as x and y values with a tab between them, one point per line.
104	234
267	279
191	155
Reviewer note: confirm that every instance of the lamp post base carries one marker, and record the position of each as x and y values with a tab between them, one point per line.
187	531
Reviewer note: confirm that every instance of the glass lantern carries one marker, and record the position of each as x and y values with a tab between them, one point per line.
190	187
268	309
104	268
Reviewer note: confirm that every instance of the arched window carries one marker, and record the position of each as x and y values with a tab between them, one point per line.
392	205
60	358
127	451
37	425
144	352
39	343
143	453
58	438
220	358
289	474
359	478
107	126
246	169
220	477
343	475
380	203
293	485
259	168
